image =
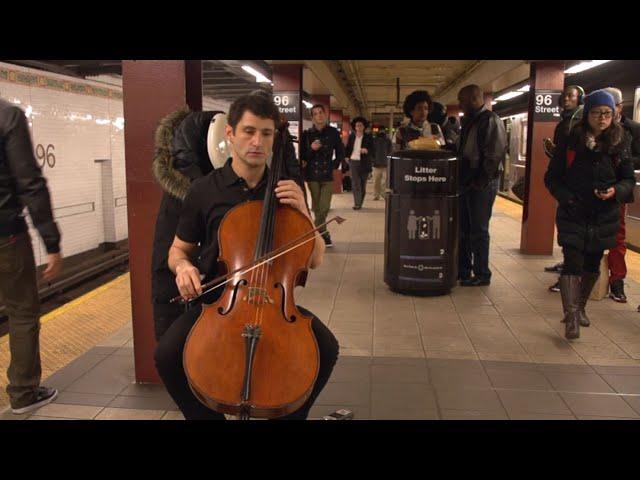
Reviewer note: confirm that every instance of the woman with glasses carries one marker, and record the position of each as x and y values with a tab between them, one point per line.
590	175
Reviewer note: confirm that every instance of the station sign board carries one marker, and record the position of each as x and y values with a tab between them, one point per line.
546	105
289	104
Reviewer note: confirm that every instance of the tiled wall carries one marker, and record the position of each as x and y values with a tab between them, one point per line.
83	121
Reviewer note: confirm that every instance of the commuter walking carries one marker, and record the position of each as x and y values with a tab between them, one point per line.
571	103
590	175
360	151
22	184
482	148
382	150
317	148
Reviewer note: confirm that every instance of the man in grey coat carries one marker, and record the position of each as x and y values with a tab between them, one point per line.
22	184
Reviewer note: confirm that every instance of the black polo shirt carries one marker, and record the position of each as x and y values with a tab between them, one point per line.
208	200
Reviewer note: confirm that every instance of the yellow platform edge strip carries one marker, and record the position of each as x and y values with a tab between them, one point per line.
68	306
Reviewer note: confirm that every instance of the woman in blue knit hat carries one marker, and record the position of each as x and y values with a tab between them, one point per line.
590	175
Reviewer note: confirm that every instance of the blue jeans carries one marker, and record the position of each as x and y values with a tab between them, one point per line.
475	212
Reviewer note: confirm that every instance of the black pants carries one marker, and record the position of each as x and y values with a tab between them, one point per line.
168	357
476	207
358	183
577	262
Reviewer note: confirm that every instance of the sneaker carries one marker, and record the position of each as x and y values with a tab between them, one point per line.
557	268
617	291
45	395
475	282
555	287
327	241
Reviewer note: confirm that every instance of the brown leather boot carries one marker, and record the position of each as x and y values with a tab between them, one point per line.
570	292
589	279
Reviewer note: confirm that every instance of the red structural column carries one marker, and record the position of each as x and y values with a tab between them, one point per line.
288	78
151	90
538	214
453	110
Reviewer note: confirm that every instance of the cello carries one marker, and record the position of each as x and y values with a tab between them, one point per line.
252	353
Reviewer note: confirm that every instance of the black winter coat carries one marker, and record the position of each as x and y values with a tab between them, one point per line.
365	159
584	221
319	164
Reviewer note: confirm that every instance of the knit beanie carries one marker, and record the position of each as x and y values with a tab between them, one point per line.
598	98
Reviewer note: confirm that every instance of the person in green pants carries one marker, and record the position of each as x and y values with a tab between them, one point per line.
317	147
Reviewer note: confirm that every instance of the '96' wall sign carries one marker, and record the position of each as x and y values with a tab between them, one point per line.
546	105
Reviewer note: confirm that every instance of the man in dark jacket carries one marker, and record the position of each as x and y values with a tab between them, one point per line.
482	149
383	150
571	102
617	264
317	147
22	184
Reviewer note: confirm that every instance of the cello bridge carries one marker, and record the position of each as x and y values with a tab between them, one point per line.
258	296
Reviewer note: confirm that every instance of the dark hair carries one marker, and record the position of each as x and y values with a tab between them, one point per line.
608	140
413	99
318	105
362	120
438	113
258	104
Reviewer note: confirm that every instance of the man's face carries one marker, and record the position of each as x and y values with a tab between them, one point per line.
420	112
359	128
252	141
570	99
319	117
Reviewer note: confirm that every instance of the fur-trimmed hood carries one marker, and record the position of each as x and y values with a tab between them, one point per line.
164	171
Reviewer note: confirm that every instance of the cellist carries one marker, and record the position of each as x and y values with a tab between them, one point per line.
251	129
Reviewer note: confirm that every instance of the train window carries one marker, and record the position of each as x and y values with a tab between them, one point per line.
523	138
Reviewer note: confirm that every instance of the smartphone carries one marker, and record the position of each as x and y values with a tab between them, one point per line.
341	414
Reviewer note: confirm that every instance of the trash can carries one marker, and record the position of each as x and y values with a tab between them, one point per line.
421	222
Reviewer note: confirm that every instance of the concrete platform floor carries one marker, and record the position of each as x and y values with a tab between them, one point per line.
495	352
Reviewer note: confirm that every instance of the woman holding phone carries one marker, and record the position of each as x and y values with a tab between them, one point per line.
590	174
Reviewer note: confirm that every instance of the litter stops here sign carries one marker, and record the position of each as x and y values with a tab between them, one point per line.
546	105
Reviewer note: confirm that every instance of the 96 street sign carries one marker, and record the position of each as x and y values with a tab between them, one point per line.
546	105
288	103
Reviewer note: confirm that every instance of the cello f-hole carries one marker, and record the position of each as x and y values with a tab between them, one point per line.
221	310
292	318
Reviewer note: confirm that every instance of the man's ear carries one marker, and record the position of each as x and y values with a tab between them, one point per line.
228	131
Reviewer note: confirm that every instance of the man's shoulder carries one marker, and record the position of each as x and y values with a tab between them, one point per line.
8	114
632	126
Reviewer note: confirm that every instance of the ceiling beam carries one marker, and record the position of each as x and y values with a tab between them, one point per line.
326	71
482	73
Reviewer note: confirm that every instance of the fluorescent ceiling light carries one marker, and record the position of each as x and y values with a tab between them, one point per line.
493	102
461	114
307	104
508	96
260	78
526	88
581	67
